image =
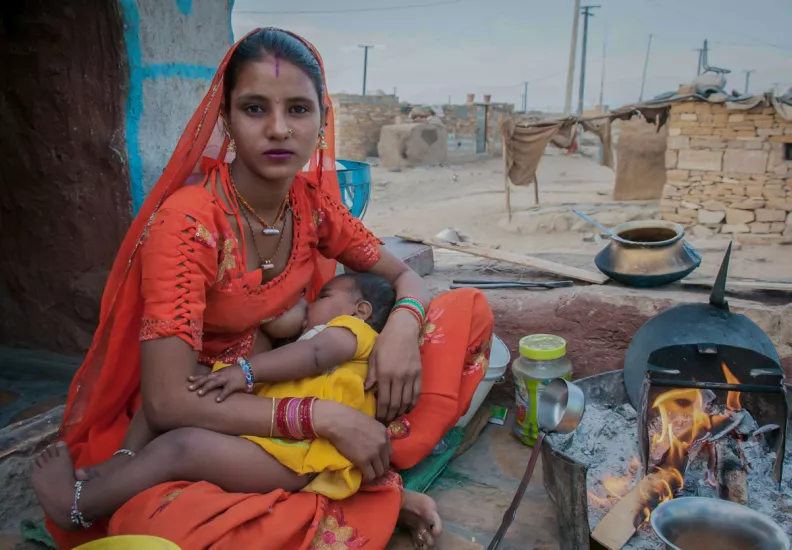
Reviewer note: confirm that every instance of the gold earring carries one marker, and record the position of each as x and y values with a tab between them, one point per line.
231	142
322	142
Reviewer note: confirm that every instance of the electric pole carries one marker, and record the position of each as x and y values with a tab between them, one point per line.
525	98
748	79
572	56
602	77
646	67
582	92
365	64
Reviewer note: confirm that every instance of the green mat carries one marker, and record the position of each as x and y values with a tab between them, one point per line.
421	477
36	532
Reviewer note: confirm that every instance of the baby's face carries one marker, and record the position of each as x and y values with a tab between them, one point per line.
337	298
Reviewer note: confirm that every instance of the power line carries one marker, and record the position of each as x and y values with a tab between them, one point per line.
354	10
711	25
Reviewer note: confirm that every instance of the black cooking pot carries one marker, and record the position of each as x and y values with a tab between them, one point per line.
711	323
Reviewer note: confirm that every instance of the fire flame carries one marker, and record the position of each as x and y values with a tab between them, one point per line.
684	420
733	398
617	487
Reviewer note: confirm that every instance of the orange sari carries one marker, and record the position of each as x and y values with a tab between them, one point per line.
180	272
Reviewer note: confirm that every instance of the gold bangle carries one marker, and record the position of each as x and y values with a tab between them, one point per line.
272	418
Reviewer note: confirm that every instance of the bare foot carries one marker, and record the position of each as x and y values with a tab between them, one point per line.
419	516
101	469
53	481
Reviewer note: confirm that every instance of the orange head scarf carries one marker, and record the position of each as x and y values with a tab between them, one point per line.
104	391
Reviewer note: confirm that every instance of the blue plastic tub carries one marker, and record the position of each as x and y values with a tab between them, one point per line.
354	179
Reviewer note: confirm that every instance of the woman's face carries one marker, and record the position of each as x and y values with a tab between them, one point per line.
274	118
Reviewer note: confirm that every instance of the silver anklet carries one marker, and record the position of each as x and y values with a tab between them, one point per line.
76	516
125	452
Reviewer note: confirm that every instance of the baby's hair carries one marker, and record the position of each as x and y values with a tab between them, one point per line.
379	293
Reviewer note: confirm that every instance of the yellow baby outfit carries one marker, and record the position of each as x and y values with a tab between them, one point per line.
337	478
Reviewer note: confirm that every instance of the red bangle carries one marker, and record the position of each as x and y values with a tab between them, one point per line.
306	417
283	427
411	309
293	419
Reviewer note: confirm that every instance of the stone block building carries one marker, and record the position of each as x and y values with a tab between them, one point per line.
729	172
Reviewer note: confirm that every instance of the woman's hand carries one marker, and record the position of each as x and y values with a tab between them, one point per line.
395	367
357	436
230	379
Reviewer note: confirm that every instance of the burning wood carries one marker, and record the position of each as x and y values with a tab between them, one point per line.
731	472
692	426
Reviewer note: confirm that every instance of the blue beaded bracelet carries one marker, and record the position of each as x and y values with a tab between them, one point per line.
248	370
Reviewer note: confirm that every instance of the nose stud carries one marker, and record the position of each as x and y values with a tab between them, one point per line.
289	131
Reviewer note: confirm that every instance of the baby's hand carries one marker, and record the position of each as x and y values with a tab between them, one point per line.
231	379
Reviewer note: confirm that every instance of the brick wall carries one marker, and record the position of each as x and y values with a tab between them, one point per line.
359	120
727	172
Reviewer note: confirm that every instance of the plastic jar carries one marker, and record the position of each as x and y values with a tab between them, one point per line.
542	358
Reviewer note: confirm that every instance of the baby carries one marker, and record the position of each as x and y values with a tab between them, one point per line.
328	362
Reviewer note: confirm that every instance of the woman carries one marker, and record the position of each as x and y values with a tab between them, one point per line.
212	256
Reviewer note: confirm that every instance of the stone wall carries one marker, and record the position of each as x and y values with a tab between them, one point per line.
359	120
461	121
727	172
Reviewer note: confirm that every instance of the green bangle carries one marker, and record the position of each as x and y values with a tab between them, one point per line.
410	301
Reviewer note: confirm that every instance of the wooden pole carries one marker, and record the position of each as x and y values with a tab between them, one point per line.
506	183
536	189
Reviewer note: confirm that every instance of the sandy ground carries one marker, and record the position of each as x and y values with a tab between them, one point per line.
470	198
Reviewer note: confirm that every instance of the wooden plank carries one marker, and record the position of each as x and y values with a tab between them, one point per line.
620	523
516	259
744	285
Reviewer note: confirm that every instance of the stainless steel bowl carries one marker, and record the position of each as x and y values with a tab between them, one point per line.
561	406
696	523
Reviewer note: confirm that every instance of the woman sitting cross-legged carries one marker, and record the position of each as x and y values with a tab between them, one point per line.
244	226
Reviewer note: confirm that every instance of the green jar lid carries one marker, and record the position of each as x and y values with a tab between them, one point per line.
542	347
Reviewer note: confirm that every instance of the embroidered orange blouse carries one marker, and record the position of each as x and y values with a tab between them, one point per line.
195	284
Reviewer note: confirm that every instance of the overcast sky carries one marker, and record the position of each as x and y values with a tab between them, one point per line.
456	47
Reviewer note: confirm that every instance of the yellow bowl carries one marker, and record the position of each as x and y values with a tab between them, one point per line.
129	542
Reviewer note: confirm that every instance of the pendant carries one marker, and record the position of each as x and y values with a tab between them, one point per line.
269	231
267	265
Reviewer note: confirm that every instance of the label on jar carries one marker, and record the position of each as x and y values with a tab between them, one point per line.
526	426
